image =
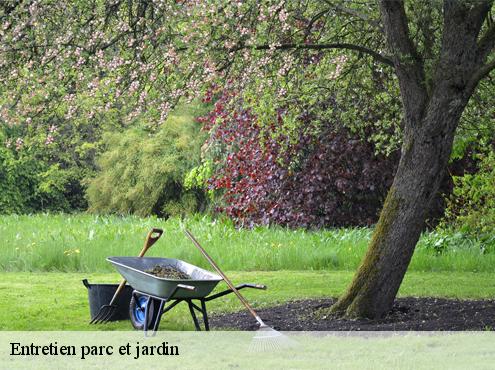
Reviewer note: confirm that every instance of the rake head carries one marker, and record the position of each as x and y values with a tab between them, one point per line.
268	339
104	314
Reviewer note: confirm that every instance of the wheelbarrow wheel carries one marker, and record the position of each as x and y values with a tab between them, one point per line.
137	309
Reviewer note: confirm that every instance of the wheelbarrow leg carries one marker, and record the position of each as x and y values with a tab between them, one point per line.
205	315
156	324
193	314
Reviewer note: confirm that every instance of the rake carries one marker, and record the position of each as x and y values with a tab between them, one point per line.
266	337
106	311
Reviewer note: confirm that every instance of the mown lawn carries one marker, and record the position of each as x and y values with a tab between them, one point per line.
43	259
58	301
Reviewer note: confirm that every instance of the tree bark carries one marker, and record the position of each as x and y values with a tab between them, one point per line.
425	155
431	116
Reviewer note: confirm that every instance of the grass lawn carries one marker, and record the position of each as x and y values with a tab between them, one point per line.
43	259
81	242
58	301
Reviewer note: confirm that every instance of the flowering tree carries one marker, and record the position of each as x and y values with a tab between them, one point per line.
151	53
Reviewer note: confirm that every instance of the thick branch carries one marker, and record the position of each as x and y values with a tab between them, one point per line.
463	60
479	75
354	13
407	62
464	21
487	42
397	31
486	45
362	49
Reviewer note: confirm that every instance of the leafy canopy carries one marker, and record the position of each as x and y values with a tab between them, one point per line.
282	57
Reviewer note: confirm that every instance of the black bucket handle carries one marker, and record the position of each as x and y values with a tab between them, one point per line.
86	283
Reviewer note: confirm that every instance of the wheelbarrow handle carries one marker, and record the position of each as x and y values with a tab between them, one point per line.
238	287
186	287
254	286
148	242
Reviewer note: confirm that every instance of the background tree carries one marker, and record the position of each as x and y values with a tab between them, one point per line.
282	58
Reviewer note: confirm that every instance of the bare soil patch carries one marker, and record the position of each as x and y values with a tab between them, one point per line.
418	314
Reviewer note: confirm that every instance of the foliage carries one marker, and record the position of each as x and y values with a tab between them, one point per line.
139	58
198	177
17	182
471	207
56	151
146	55
143	174
476	132
32	182
155	52
327	177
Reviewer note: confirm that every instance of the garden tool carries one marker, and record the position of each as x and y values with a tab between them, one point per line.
106	311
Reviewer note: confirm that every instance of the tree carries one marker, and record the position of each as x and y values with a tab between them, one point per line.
433	106
280	57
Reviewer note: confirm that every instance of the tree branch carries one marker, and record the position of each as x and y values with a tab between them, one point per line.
354	13
407	62
481	73
397	31
462	26
362	49
313	20
487	42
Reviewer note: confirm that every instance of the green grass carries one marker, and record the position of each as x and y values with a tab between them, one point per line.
58	301
82	242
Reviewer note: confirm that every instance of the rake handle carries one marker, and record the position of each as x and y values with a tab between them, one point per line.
225	278
149	241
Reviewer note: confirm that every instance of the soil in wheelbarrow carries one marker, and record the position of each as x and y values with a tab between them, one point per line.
418	314
168	272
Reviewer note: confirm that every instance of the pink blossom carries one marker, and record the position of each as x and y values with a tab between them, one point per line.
49	139
134	86
339	66
18	143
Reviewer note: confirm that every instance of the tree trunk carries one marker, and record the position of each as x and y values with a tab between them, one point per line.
425	155
431	114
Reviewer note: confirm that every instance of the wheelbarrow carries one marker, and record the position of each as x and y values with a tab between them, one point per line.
153	296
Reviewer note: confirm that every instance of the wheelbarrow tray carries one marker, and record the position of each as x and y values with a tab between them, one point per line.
133	270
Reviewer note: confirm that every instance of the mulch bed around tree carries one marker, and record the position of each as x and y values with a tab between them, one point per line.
421	314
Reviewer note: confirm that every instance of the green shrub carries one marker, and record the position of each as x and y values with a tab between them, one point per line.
142	173
19	180
48	155
471	208
11	194
35	178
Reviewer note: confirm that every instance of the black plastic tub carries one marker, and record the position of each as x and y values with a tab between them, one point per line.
101	294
